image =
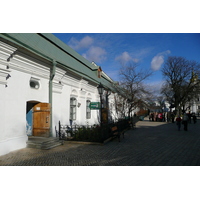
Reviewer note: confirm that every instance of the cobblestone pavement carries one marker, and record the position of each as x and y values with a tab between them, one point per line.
150	144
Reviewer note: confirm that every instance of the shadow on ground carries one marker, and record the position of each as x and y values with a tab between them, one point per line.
150	144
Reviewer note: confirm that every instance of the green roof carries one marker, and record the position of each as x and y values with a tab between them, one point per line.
69	50
50	47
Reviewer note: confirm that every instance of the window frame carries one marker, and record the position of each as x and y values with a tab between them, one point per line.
88	110
34	83
73	109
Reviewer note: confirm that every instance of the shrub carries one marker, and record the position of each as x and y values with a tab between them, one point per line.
97	133
92	134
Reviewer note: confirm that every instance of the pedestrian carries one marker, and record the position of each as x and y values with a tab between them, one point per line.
172	117
159	117
178	122
152	116
194	118
164	117
168	117
185	122
189	117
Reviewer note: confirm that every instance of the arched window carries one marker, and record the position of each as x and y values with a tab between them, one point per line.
88	111
73	108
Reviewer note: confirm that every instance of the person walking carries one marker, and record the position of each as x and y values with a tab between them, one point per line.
194	118
172	117
178	122
189	117
168	117
185	122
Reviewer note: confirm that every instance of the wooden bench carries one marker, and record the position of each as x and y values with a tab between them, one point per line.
133	122
115	132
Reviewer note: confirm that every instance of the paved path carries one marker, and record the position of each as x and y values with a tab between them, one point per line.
150	144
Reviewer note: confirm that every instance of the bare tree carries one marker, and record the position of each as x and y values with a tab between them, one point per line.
132	87
181	81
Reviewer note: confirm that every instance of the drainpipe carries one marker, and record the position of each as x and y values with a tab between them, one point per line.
52	74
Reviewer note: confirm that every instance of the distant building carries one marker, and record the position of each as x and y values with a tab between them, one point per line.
193	106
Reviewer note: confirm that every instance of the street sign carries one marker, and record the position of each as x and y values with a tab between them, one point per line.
94	105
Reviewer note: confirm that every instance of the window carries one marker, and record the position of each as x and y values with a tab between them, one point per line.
88	111
73	108
34	83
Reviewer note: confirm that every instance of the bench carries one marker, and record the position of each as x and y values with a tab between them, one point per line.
115	132
133	122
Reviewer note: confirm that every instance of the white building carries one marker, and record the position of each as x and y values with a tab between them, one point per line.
193	106
43	81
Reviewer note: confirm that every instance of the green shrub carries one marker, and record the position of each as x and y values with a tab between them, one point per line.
97	133
92	134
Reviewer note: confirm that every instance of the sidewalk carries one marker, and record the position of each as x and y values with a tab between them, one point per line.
150	144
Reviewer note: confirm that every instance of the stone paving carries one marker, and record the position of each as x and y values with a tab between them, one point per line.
150	144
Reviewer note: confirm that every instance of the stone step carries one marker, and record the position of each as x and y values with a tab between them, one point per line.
43	143
52	145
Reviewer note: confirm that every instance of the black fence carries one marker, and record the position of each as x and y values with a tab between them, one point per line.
93	133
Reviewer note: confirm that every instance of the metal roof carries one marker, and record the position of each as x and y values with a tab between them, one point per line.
51	48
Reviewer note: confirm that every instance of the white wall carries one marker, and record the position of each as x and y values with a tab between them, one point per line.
13	104
82	91
14	97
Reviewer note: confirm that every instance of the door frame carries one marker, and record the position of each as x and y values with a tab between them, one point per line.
30	126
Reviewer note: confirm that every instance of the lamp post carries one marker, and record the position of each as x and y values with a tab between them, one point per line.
100	90
108	93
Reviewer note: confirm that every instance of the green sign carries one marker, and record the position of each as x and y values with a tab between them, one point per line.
94	105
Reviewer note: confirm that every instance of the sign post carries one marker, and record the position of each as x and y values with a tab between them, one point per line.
94	105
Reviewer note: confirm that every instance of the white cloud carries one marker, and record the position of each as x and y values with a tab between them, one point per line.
135	60
125	57
96	54
158	60
141	53
93	53
82	44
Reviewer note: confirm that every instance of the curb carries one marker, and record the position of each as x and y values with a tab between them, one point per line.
81	142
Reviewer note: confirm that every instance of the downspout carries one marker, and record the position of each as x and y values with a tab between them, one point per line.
52	74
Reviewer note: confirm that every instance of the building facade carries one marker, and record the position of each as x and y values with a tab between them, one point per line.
43	81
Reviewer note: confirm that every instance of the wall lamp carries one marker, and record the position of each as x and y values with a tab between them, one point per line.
8	76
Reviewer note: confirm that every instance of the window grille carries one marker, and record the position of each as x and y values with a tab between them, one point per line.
73	108
88	111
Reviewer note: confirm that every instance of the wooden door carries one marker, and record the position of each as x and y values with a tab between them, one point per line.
41	120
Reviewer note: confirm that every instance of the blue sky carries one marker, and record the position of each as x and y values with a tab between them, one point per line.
148	50
126	18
